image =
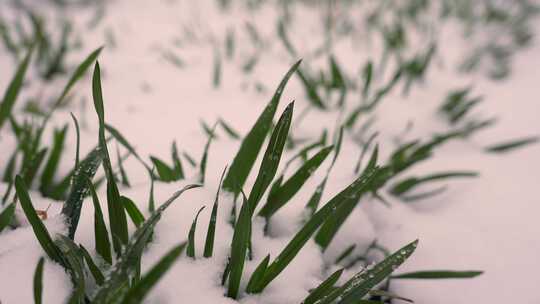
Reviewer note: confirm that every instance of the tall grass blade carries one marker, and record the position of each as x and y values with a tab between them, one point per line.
253	141
190	251
210	234
103	246
38	281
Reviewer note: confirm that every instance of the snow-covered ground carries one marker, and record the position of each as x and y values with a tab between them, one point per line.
487	223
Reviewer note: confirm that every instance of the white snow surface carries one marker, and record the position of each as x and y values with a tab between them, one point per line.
489	223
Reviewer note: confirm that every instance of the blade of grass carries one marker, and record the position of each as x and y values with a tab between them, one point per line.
38	281
7	216
279	197
137	293
94	270
324	288
14	87
210	234
190	251
361	283
103	246
272	156
511	145
134	213
253	141
51	165
438	274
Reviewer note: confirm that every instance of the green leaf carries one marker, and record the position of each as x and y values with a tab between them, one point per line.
409	183
331	226
360	185
117	216
324	288
38	281
511	145
239	247
253	141
116	286
78	74
40	231
78	133
14	87
134	213
103	246
210	234
438	274
311	90
75	266
190	251
165	173
94	270
7	216
137	293
361	283
258	274
279	197
51	165
79	189
272	156
123	141
204	157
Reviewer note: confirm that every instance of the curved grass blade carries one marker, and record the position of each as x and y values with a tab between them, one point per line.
210	234
40	231
360	185
79	189
7	216
51	165
190	251
509	146
253	141
38	281
324	288
412	182
239	248
204	158
115	286
361	283
272	156
94	270
117	216
137	293
134	213
438	274
279	197
14	87
78	133
103	246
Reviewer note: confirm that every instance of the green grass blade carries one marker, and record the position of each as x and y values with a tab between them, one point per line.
134	213
115	287
360	185
79	189
51	165
253	141
31	168
324	288
124	142
228	129
204	157
14	87
258	274
272	156
78	133
103	246
239	248
438	274
38	281
210	234
78	74
137	293
361	283
190	251
165	173
410	183
123	175
511	145
311	90
7	216
75	266
117	216
41	233
94	270
279	197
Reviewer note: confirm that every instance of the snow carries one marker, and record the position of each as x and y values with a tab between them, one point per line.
486	223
